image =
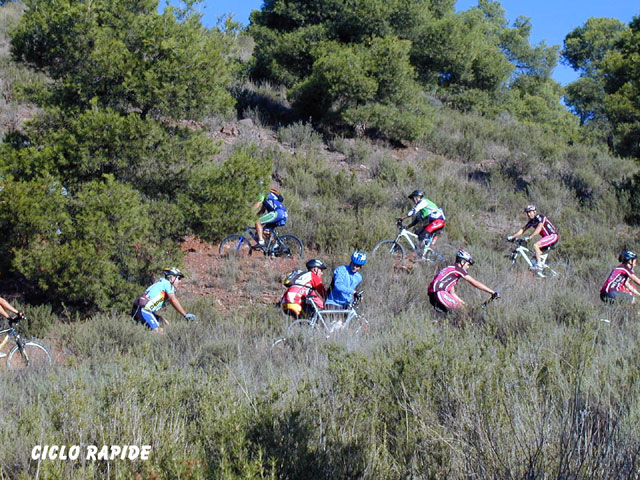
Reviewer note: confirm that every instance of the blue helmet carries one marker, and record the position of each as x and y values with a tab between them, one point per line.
626	256
359	258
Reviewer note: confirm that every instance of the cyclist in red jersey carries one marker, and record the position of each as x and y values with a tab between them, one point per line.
308	285
442	289
542	226
618	285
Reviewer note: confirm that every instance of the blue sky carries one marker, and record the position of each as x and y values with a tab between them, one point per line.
551	19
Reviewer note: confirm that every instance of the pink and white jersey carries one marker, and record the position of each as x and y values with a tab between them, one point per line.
617	279
547	226
446	279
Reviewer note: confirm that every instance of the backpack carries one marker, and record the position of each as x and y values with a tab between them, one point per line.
291	277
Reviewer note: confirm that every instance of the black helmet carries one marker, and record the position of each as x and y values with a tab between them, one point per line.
464	255
627	255
316	262
172	272
416	193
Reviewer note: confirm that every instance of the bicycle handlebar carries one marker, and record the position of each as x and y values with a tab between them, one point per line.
519	241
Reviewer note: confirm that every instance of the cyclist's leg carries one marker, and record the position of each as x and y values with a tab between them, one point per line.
148	318
268	217
617	297
544	242
337	320
433	229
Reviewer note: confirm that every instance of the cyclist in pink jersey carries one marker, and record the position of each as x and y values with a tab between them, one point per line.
618	285
442	289
541	226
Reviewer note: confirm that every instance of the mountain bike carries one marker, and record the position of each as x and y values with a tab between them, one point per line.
327	323
395	249
276	245
24	353
542	270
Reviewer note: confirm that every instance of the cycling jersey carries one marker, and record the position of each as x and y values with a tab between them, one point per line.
547	226
446	279
617	279
276	211
306	285
157	294
345	281
440	288
145	307
427	209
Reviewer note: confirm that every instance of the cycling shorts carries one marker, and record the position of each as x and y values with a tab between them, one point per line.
435	225
146	317
443	301
548	240
616	296
276	217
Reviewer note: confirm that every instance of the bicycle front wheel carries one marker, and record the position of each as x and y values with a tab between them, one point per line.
32	356
235	245
389	248
289	246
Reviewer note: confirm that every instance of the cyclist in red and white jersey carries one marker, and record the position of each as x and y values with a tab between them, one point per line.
542	226
442	289
619	284
308	285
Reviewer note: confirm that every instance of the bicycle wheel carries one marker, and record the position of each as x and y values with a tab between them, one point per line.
303	330
235	245
390	248
33	355
288	246
359	325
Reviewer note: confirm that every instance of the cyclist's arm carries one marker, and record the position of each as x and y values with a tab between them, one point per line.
4	306
518	233
537	230
340	282
479	285
453	293
257	207
630	286
173	299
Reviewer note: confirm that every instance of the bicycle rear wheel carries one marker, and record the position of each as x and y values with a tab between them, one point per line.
389	248
235	245
32	356
303	330
288	246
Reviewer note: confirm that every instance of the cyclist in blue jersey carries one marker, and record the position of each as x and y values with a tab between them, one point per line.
346	279
273	213
145	307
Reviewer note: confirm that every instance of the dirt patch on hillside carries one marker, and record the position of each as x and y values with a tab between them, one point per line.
234	283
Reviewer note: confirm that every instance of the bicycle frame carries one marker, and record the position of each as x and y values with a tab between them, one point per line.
319	318
273	237
410	237
528	255
10	333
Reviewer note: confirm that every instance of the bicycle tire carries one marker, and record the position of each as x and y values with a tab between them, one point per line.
279	342
390	248
304	330
235	245
32	356
288	246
